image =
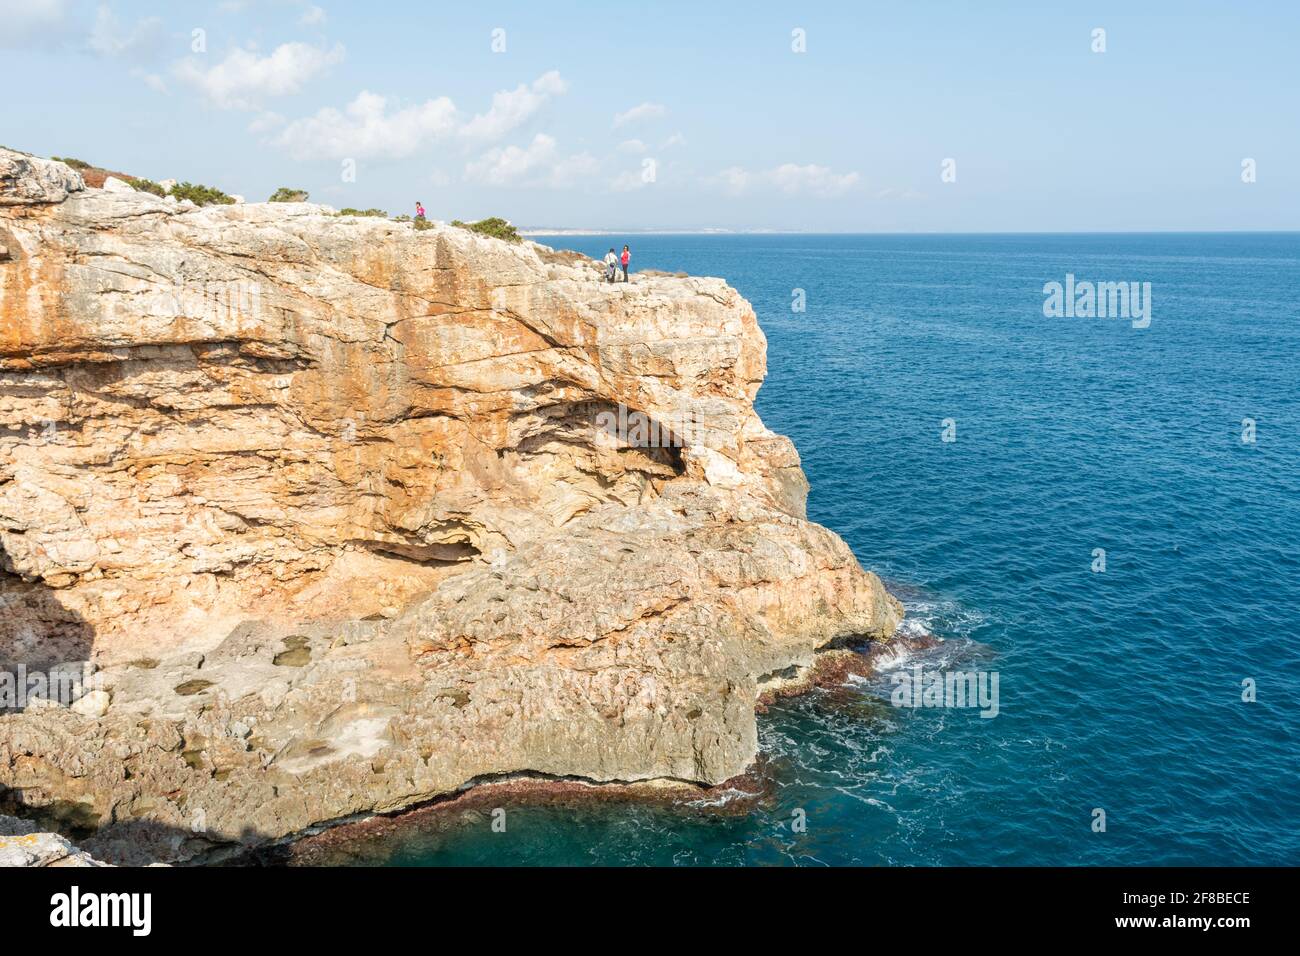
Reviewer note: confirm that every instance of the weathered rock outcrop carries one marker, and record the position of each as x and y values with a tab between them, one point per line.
347	515
22	844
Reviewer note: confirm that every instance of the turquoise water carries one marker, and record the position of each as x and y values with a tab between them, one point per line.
1119	690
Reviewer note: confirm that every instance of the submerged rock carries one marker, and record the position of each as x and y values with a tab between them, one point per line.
349	514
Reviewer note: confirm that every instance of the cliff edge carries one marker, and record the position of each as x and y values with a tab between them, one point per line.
329	515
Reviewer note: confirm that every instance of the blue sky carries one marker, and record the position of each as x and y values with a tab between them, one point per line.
685	115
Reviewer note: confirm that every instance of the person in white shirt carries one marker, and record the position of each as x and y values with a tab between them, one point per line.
611	265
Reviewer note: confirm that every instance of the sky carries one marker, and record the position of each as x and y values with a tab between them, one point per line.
923	116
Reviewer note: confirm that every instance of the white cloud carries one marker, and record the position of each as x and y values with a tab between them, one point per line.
538	164
637	113
574	170
817	180
151	80
109	38
677	139
366	128
632	146
512	108
28	23
735	179
243	79
48	25
312	16
630	180
810	180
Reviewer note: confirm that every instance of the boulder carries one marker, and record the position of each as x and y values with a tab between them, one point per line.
92	704
28	180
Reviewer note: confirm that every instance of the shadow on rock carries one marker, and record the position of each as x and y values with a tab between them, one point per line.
44	645
134	843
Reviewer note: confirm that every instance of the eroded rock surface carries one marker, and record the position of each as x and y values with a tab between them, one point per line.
346	515
22	844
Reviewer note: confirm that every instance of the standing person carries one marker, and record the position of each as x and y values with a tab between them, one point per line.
419	210
611	262
625	259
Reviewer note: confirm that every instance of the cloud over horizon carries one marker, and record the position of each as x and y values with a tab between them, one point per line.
789	178
540	163
512	108
244	80
368	128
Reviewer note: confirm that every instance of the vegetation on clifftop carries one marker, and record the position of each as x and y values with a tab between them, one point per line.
200	195
494	226
418	223
285	194
146	186
94	176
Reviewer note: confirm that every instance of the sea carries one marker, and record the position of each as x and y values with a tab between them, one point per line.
1101	512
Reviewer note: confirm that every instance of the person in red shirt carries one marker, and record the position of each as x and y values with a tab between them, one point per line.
624	260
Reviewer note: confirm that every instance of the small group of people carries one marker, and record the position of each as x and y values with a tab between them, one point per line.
613	261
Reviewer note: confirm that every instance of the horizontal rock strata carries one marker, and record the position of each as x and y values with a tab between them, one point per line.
327	515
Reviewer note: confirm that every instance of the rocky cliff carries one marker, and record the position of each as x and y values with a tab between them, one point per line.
344	515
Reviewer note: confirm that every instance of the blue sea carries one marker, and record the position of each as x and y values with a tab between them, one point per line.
1120	690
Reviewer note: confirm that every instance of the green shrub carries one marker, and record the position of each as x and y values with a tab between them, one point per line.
285	194
146	186
418	223
74	163
200	195
349	211
494	226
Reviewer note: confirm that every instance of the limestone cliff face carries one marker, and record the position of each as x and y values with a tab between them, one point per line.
348	515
